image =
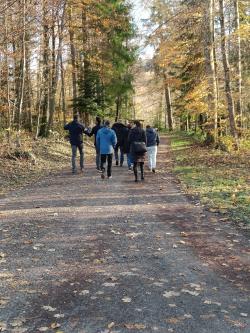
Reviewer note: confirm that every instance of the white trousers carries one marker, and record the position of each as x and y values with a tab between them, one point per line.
152	153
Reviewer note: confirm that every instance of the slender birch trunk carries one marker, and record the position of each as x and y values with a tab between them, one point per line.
210	64
239	66
227	75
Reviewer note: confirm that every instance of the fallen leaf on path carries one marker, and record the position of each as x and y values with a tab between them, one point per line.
109	284
59	315
43	329
48	308
207	316
55	325
17	322
126	299
84	292
172	305
19	330
190	292
111	325
211	302
135	326
115	232
175	246
3	327
183	234
174	321
169	294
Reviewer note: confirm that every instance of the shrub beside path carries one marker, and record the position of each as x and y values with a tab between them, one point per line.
83	255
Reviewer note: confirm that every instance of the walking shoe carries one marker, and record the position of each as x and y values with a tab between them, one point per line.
109	177
153	170
136	180
74	172
102	176
116	163
121	164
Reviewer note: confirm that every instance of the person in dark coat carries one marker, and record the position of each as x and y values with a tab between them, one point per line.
152	145
76	131
120	131
126	147
94	131
137	134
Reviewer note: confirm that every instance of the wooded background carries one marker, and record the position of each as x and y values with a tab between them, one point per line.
59	57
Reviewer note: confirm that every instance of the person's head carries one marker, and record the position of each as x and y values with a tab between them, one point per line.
107	123
148	127
75	117
129	126
137	123
98	120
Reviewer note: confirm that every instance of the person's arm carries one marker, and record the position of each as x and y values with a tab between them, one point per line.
114	139
144	137
90	133
157	139
66	127
98	141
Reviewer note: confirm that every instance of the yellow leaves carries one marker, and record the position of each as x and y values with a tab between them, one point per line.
135	326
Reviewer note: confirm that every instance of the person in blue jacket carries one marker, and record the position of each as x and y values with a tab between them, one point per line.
76	131
106	141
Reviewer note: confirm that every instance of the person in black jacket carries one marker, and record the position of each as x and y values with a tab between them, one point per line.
76	131
120	131
94	131
137	135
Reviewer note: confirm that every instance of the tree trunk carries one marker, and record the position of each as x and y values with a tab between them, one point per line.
210	64
227	75
239	74
55	66
169	109
73	62
63	91
22	72
46	72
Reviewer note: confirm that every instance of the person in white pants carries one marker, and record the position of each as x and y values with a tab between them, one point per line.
152	145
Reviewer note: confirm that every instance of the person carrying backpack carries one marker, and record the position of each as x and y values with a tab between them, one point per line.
137	143
152	144
76	131
106	141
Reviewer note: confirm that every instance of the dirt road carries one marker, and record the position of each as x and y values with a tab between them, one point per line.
83	255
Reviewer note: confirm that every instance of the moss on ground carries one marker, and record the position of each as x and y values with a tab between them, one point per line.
221	180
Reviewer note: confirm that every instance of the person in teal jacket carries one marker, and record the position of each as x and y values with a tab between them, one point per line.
106	141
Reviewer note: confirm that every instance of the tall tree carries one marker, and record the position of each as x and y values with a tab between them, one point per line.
227	74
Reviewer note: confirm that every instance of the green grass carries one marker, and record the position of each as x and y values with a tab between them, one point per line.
221	180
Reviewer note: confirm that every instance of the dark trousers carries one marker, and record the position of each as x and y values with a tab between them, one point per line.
117	147
104	159
141	168
74	152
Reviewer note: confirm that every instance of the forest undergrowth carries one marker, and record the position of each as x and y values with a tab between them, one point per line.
221	180
33	160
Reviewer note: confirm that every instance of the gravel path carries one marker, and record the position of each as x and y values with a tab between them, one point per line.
83	255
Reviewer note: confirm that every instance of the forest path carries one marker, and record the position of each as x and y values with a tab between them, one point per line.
98	256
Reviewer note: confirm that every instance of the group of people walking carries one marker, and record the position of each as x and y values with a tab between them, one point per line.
120	140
